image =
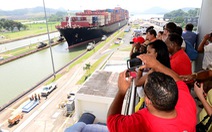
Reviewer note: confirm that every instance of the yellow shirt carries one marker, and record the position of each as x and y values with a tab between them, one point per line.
203	113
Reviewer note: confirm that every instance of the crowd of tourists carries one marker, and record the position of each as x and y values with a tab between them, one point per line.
165	82
171	96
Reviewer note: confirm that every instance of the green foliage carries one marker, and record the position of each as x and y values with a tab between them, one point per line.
10	24
193	13
179	15
178	19
175	13
57	17
92	69
31	29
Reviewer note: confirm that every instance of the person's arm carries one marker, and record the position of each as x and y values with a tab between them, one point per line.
203	75
123	85
132	50
200	76
199	92
202	43
140	78
183	46
150	62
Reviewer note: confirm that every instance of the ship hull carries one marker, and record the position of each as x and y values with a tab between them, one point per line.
84	35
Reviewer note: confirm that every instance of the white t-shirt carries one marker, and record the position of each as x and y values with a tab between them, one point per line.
140	89
209	66
207	56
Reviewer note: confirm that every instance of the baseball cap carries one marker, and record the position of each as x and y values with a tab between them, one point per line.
135	39
140	39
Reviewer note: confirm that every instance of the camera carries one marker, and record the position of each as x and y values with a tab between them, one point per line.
131	42
133	63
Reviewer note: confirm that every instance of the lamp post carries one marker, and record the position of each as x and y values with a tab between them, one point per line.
50	45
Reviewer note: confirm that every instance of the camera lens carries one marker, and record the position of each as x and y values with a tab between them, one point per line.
133	63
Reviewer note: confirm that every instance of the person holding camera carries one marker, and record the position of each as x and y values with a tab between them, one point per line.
205	47
137	47
157	49
169	105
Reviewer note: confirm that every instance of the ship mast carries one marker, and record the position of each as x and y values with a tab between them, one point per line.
69	18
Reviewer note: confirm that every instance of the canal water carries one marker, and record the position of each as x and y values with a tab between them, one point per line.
24	42
22	74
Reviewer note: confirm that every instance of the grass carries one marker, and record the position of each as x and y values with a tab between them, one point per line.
97	63
92	69
54	79
136	26
22	50
32	29
88	54
113	46
80	60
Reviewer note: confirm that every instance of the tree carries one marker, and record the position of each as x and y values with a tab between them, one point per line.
175	13
178	19
87	68
19	25
57	16
1	24
193	13
178	16
10	24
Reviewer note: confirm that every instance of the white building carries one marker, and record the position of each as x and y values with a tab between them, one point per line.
98	92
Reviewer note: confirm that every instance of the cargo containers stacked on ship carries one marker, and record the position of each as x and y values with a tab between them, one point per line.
91	25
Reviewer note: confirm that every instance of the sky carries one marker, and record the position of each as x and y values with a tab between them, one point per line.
130	5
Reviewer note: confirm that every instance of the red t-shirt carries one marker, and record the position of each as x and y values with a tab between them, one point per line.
144	121
180	63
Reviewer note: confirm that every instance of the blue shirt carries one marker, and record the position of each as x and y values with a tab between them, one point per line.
190	36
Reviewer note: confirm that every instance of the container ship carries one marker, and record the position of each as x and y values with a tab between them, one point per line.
91	25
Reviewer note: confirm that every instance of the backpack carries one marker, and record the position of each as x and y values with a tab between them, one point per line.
190	51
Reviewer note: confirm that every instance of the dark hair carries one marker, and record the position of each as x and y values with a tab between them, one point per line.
211	34
150	27
140	49
162	90
189	27
152	31
161	32
171	27
174	37
179	30
162	52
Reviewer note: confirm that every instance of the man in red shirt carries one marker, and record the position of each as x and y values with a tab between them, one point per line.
179	60
169	105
